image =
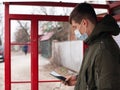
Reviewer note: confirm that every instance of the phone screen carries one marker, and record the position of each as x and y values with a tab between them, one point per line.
58	76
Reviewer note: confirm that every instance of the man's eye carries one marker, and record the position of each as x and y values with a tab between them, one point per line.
74	27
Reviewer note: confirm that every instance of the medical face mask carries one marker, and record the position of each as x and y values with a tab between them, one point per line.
80	36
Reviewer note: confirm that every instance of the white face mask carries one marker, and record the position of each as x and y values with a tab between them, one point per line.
80	36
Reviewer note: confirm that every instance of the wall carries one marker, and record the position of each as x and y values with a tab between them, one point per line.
68	54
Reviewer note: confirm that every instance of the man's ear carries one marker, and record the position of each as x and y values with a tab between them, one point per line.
85	22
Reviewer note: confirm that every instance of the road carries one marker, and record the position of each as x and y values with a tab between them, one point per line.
20	71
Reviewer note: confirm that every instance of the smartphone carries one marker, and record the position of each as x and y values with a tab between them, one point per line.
58	76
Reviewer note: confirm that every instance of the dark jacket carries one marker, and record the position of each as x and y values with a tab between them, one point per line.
100	68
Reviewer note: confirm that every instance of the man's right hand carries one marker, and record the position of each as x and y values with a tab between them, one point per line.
70	80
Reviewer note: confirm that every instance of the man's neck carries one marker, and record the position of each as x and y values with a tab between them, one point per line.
90	28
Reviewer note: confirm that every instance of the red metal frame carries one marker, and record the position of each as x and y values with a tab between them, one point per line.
34	38
39	17
34	54
43	81
7	49
117	17
20	43
114	5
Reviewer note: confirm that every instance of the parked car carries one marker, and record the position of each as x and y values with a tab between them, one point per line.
1	54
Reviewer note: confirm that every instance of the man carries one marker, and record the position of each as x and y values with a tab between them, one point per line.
25	49
100	68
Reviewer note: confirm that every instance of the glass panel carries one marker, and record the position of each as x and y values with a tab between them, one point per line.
52	29
21	86
20	31
101	11
49	32
2	76
81	1
56	51
117	38
1	33
96	1
39	10
54	86
20	50
20	63
2	69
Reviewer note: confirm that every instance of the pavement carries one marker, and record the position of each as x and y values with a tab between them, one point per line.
20	71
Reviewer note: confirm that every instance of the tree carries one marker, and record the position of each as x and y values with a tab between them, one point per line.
61	29
62	32
22	35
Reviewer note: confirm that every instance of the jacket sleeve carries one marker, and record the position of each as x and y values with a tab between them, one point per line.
107	73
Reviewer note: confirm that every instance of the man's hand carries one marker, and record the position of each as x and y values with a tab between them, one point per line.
70	80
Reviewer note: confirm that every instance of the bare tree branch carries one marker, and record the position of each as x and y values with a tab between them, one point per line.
23	27
65	11
43	9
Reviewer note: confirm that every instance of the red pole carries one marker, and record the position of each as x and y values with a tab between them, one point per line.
34	54
7	49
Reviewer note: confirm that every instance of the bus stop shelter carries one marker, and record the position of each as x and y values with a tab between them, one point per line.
34	36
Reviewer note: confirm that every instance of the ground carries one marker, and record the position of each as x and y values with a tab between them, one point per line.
20	71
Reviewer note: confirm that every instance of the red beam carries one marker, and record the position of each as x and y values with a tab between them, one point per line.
18	82
39	17
100	6
117	17
34	54
57	4
7	50
99	18
41	81
20	16
114	4
20	43
47	81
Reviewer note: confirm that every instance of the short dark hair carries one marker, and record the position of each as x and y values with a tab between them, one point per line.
83	10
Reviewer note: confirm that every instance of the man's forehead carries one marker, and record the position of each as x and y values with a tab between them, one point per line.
74	25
